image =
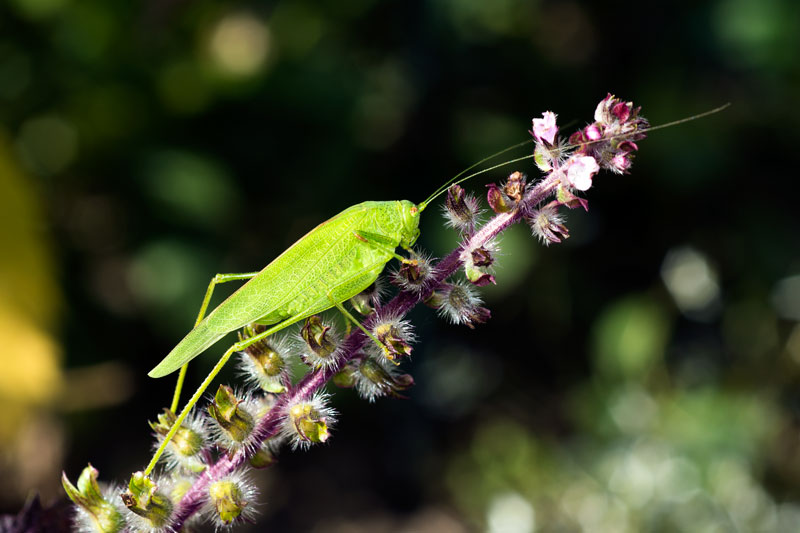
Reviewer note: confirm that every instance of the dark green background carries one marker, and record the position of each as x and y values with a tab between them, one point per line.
587	394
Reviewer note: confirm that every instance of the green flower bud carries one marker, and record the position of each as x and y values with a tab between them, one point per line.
103	516
317	336
144	499
307	421
227	499
375	380
187	443
265	362
234	421
345	378
395	336
230	500
364	301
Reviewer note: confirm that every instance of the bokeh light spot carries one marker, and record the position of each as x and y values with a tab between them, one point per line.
239	44
786	298
510	513
692	283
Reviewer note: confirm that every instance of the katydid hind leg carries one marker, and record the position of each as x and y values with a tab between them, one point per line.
236	347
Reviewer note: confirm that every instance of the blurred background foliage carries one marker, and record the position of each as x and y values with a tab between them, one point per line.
643	376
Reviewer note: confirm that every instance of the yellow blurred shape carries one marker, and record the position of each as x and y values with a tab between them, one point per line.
29	360
239	44
31	378
27	282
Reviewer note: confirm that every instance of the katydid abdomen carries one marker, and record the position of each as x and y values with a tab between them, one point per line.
329	265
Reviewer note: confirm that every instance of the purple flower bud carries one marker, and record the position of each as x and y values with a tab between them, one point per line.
479	276
514	187
414	274
577	138
461	209
565	197
547	224
602	113
478	315
482	257
497	200
622	110
460	303
365	301
620	163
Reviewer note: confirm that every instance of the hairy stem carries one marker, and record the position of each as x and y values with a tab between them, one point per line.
400	305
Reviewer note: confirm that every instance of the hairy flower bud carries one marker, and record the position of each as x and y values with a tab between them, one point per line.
265	363
230	500
414	274
185	447
264	457
565	197
320	342
514	187
374	380
307	422
395	336
461	209
547	224
233	417
498	201
144	499
95	510
461	305
365	301
346	377
478	264
506	198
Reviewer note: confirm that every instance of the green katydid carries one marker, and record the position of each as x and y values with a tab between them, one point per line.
329	265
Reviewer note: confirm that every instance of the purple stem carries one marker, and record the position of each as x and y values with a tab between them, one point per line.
400	305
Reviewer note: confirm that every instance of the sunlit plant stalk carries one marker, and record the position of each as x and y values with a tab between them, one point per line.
204	474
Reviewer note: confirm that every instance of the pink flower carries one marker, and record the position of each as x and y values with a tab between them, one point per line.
592	132
581	171
545	129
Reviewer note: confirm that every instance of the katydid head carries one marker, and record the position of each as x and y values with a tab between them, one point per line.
410	230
